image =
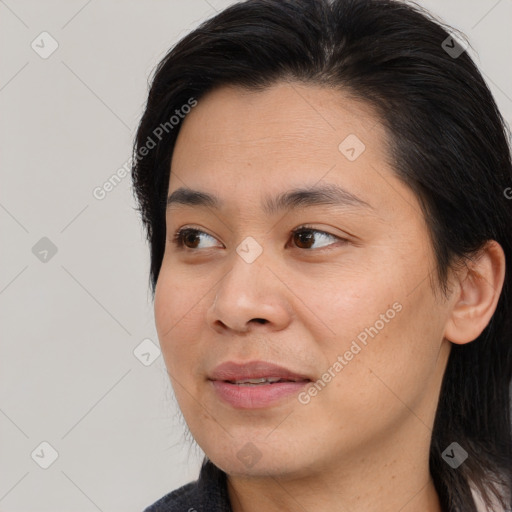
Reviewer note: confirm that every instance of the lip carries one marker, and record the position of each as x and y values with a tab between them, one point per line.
253	370
258	396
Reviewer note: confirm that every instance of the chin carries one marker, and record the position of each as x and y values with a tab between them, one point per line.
251	460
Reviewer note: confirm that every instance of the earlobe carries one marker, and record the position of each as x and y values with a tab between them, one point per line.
479	287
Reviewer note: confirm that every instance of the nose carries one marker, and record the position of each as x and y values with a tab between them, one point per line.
250	296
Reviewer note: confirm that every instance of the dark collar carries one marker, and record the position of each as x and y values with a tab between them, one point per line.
207	494
212	487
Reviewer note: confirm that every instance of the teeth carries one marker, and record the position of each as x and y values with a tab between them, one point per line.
261	380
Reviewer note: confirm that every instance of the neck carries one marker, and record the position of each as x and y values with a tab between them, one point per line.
374	481
276	494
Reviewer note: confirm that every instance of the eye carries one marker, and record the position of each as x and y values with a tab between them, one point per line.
305	237
190	238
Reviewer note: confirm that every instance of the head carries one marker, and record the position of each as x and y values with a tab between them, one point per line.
336	184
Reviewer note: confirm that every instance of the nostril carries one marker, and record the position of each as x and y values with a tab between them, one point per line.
260	320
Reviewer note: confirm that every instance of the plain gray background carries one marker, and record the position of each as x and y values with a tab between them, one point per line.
72	319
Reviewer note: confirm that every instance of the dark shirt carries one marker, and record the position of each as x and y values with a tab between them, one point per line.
207	494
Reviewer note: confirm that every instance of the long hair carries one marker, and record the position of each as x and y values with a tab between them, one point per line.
446	139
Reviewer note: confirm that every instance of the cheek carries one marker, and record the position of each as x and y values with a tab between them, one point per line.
391	356
343	302
375	320
178	309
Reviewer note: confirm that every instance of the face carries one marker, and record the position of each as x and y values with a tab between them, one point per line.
331	285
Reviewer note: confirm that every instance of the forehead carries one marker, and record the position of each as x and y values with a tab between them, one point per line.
254	144
296	118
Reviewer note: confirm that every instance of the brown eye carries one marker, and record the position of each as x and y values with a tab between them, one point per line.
305	237
190	238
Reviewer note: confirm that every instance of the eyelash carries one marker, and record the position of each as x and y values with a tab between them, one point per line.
177	239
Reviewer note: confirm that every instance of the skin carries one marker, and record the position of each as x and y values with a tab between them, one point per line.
362	443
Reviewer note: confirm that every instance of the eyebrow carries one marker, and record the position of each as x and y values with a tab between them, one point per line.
329	195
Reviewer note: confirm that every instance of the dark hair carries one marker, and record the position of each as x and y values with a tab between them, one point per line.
447	142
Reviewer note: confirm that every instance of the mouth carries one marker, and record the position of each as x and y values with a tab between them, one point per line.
256	384
263	380
255	372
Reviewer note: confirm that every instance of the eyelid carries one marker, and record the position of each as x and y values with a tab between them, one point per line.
309	227
177	237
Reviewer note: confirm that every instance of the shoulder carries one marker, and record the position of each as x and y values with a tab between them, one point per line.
184	499
207	494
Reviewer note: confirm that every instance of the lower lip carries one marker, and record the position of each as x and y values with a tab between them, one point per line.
258	396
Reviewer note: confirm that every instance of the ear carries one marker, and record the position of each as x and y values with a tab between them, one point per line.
477	289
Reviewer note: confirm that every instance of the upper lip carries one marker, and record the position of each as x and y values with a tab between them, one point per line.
231	371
